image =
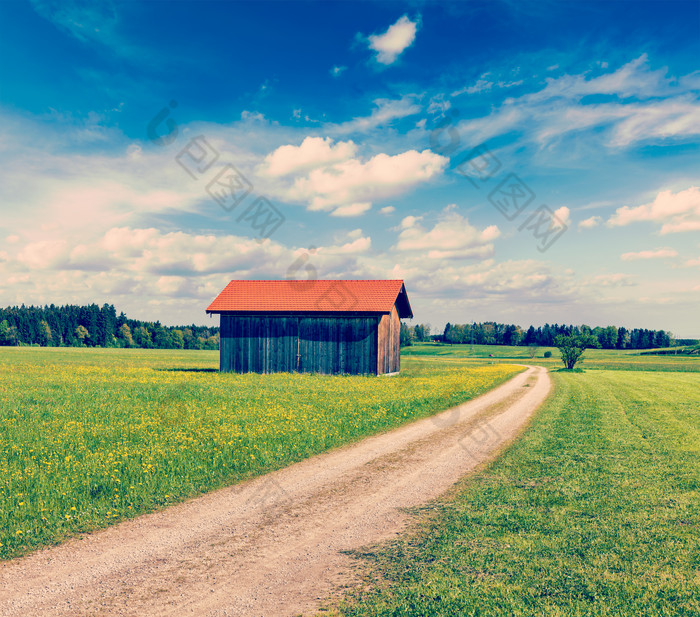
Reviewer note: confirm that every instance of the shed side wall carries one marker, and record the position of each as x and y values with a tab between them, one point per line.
389	343
395	342
383	345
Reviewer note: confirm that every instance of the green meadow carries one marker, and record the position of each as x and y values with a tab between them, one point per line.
594	510
89	437
612	359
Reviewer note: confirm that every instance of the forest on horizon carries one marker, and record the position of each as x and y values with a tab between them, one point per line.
95	326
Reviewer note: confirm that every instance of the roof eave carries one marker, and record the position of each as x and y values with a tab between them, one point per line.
292	311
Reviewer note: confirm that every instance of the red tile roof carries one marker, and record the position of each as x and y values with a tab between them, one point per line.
312	296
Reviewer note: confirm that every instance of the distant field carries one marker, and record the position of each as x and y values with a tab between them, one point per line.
89	437
594	511
609	359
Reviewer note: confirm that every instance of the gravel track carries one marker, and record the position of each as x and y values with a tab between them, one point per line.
276	545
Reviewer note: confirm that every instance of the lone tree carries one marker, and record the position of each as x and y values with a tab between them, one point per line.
572	347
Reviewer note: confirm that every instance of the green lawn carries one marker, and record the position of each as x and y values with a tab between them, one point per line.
90	437
611	359
595	510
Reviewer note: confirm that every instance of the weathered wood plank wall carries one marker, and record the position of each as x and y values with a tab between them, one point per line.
389	335
330	345
395	342
383	333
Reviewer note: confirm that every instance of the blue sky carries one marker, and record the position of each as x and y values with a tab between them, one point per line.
518	162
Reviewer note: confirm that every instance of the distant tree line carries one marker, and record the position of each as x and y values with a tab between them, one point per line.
493	333
418	333
94	326
687	341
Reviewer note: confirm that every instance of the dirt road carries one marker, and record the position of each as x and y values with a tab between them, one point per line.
274	545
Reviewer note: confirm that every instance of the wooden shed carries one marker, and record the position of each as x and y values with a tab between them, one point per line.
311	326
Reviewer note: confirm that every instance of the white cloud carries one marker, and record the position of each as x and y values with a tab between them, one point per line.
656	300
486	83
665	108
313	152
171	285
385	111
691	81
387	210
78	194
355	181
590	222
352	209
438	104
356	245
609	280
390	45
337	71
508	118
481	85
472	284
253	117
664	253
677	212
409	221
562	215
451	237
128	263
628	123
87	193
632	79
671	118
43	254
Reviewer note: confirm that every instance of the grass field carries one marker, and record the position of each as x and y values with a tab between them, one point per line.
611	359
90	437
594	511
